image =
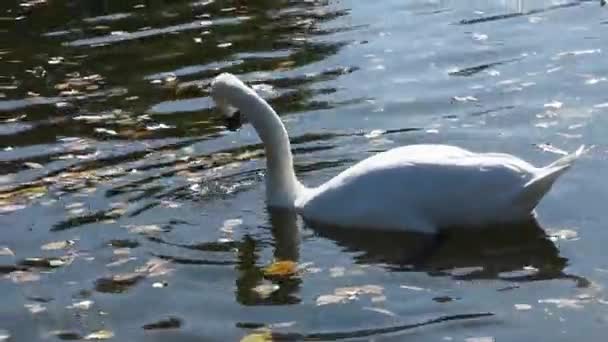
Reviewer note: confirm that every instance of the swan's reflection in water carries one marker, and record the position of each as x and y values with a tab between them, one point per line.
519	252
286	234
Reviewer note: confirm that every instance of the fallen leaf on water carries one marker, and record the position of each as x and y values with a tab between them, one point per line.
120	262
65	335
100	335
57	245
282	325
465	98
480	339
336	272
284	268
265	290
261	336
564	234
553	105
122	251
84	305
230	224
118	283
563	302
330	299
5	209
380	310
106	131
413	288
46	262
123	243
160	285
155	267
33	165
344	294
24	276
56	262
29	192
374	134
6	251
465	271
35	308
168	323
145	229
378	299
285	65
356	290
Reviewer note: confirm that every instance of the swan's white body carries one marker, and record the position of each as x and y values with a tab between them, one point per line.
419	188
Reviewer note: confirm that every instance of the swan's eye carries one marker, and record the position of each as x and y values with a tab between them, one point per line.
233	122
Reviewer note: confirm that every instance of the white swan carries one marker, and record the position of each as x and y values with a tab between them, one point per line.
416	188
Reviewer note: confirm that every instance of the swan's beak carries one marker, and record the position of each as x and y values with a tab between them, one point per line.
231	116
233	122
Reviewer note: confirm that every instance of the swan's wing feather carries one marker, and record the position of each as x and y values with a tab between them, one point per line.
433	180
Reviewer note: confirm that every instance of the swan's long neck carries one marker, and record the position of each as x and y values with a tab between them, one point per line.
282	186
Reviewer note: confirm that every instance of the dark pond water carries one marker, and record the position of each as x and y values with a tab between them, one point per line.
128	211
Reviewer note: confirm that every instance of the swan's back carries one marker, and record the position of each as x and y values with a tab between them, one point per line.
422	185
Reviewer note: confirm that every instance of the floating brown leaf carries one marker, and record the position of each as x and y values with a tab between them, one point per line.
168	323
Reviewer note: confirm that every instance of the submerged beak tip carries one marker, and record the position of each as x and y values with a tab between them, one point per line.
233	121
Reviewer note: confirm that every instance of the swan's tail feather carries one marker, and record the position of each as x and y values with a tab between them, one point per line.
567	160
538	186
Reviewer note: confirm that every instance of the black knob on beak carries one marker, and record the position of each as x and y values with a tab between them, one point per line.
233	122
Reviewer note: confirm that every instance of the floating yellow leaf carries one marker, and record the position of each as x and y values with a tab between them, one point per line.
284	268
100	335
260	336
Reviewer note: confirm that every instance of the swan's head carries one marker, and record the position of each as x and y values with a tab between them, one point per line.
230	94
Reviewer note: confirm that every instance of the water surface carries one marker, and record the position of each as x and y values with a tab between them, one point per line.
129	211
